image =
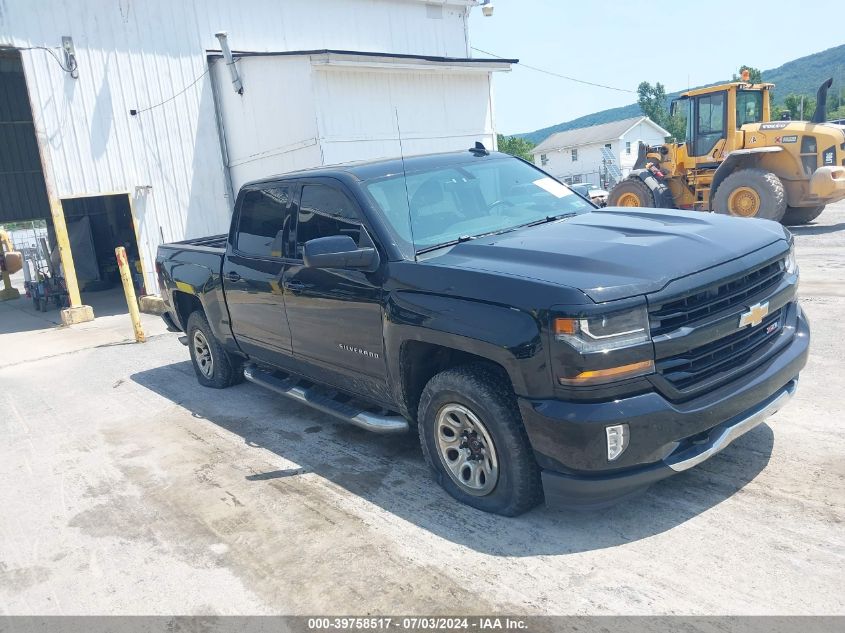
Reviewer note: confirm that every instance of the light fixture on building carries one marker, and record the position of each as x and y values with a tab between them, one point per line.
222	37
70	66
487	8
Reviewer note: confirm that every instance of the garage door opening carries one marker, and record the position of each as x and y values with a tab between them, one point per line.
96	225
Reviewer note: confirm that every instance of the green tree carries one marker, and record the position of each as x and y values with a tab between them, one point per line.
755	76
515	146
792	104
652	102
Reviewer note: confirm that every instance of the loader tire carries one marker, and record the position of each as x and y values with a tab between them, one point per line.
631	192
801	215
751	193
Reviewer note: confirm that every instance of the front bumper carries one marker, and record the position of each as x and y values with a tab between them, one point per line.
570	443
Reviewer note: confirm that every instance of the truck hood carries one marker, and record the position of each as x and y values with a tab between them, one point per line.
614	253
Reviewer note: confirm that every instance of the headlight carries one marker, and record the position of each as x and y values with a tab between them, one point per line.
791	265
604	332
600	335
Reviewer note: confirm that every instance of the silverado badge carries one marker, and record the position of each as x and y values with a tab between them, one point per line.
755	315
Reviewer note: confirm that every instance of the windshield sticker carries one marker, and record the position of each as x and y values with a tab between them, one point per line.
553	187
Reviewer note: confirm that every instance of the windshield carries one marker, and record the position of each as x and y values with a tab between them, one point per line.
481	196
749	107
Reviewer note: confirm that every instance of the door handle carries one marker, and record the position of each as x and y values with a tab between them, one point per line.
233	276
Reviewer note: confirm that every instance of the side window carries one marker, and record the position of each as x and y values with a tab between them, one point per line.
262	224
323	212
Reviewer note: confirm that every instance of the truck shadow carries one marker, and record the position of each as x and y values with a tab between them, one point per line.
389	471
816	229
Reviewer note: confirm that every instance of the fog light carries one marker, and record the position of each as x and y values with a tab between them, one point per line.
617	440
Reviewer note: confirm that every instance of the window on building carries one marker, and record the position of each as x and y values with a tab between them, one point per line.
544	160
574	154
628	147
263	220
323	212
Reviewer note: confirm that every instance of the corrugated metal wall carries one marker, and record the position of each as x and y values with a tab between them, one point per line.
22	192
134	55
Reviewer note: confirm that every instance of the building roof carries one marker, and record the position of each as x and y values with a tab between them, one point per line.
217	53
593	134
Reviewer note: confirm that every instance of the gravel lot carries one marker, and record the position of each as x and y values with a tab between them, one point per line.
126	489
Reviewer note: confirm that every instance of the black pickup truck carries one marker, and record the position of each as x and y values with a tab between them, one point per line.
539	345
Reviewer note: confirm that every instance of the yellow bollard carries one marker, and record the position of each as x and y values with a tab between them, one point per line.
7	291
129	290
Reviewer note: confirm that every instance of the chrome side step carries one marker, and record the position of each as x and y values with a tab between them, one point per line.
313	397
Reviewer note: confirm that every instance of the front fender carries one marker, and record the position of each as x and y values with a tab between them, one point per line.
504	335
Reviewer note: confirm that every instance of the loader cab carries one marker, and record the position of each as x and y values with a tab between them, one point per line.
715	115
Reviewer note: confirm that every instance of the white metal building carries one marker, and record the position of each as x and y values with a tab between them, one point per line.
142	106
576	155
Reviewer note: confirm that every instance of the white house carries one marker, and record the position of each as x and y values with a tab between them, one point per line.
126	112
577	156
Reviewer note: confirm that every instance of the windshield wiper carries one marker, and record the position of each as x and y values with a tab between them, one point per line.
460	240
467	238
545	220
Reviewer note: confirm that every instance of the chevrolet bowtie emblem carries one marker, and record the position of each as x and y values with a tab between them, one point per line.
755	315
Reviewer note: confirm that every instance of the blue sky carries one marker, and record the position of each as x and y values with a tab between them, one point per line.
608	42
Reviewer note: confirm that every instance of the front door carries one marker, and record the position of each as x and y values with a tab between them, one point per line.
335	315
252	272
710	120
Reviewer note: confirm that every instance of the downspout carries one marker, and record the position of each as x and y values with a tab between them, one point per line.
221	136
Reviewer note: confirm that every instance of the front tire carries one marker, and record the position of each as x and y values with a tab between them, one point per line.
213	366
631	192
751	193
473	439
801	215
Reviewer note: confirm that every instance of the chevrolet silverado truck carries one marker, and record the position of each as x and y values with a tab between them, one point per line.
540	346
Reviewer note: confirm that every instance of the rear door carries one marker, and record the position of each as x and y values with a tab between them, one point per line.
335	314
253	269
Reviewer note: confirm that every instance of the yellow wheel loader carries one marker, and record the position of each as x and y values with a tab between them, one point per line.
736	160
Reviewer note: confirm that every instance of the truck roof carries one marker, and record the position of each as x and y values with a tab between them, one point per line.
372	169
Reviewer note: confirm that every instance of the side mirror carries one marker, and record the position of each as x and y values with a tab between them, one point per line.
339	251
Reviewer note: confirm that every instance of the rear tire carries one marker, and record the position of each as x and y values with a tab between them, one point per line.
751	193
631	192
801	215
213	365
473	439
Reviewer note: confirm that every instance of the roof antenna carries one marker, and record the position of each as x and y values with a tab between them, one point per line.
405	180
479	149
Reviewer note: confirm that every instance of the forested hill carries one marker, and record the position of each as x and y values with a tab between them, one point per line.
800	76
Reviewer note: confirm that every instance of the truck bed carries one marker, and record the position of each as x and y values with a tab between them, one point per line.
212	242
